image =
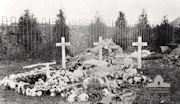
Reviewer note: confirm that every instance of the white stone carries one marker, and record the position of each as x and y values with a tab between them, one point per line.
139	44
63	44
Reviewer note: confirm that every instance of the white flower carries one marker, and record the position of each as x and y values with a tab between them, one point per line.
119	82
13	84
53	94
145	79
33	92
12	76
131	71
106	92
66	79
83	97
58	89
40	81
1	83
63	94
50	81
130	81
73	92
137	79
5	81
101	81
39	93
63	72
21	88
128	62
28	91
71	98
52	90
86	82
78	73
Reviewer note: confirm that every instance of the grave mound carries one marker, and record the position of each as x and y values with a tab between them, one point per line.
115	79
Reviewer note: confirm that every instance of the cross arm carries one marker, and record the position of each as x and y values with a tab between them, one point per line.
58	44
67	44
135	44
95	43
144	44
61	44
139	44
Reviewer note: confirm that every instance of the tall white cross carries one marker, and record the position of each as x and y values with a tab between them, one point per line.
100	47
139	44
63	44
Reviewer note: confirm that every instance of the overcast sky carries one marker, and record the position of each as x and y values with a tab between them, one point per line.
86	9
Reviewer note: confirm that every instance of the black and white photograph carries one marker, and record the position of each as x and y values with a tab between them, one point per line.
90	52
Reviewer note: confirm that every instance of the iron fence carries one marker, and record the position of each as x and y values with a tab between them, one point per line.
81	34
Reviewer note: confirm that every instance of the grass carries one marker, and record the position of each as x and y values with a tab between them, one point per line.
170	75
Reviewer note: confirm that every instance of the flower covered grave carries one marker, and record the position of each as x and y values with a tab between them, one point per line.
85	79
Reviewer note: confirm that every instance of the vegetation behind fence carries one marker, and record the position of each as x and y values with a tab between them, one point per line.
29	37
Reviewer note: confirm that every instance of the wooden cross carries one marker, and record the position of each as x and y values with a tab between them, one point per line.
100	47
139	44
63	44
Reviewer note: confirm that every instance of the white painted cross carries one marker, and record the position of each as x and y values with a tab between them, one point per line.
139	44
63	44
100	47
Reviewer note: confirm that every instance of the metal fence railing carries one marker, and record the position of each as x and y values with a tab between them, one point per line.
41	37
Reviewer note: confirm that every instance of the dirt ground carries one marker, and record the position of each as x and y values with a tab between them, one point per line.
11	97
172	75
